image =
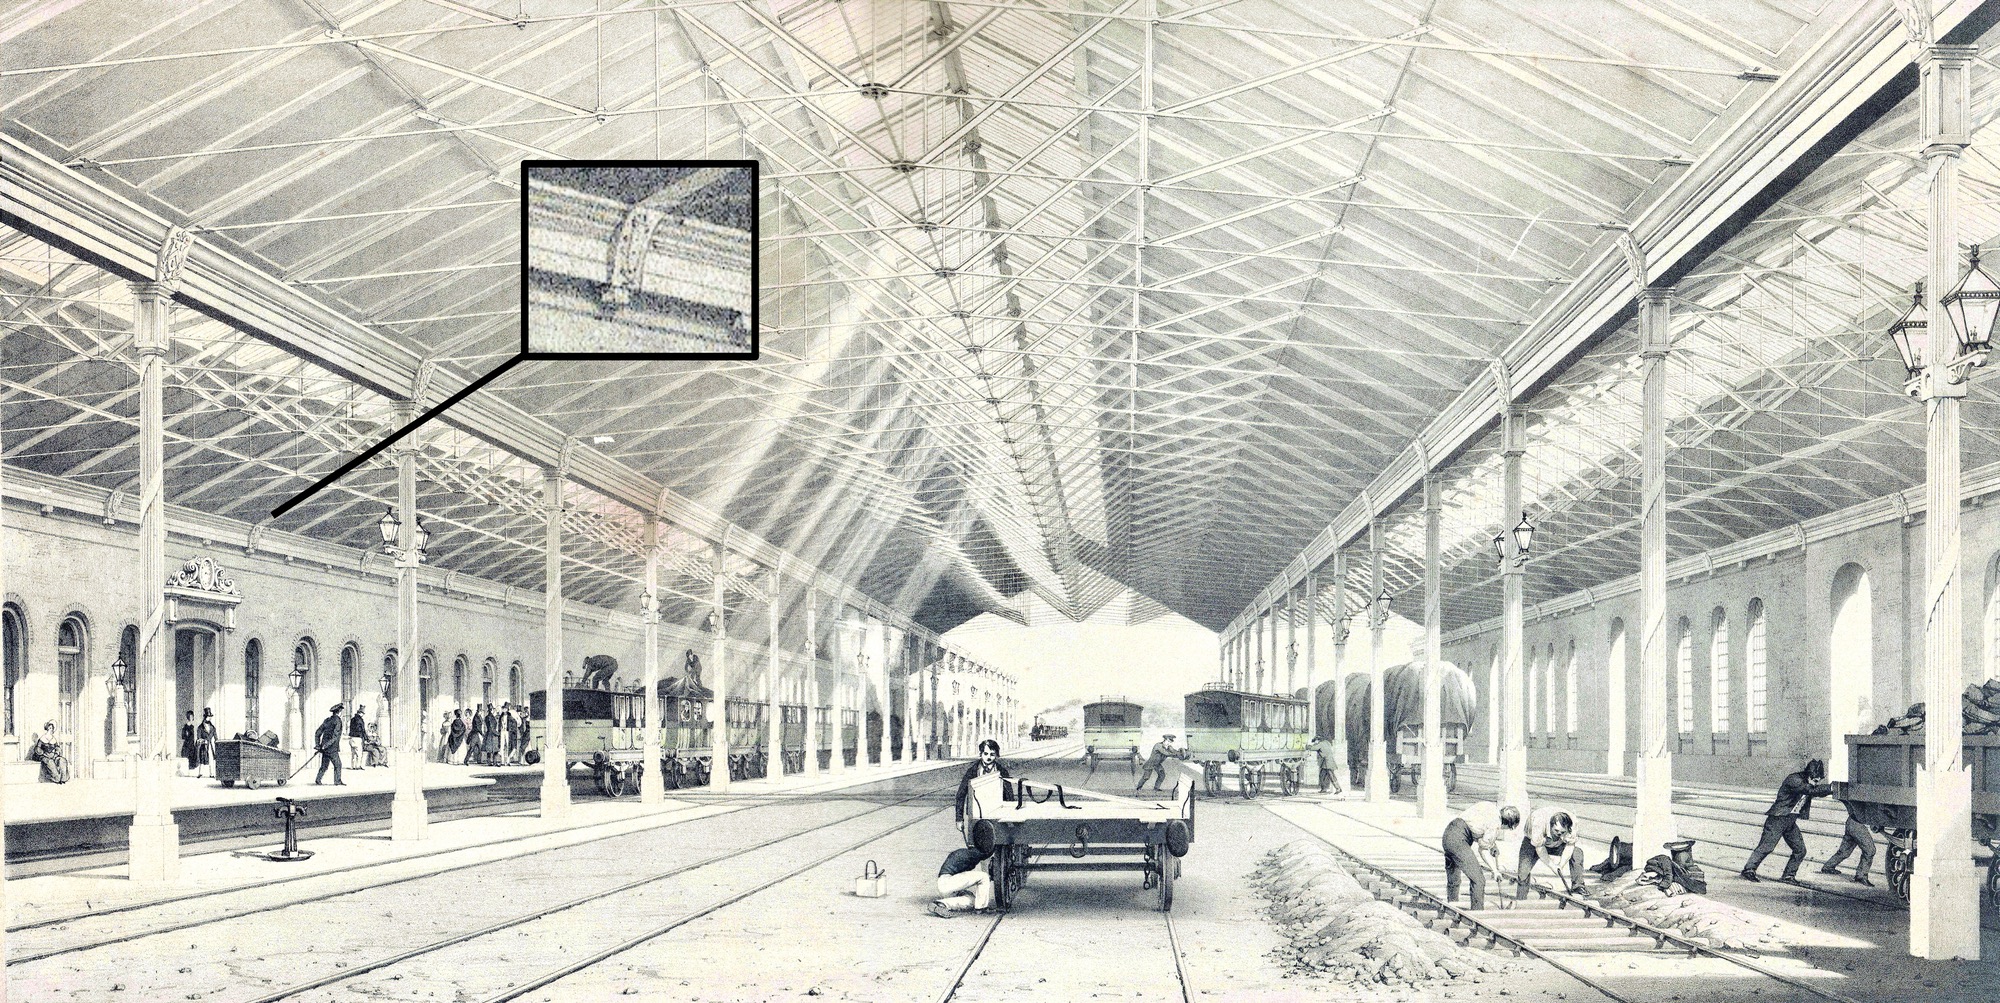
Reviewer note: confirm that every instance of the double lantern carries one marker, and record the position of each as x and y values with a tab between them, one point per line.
1972	306
392	526
1524	539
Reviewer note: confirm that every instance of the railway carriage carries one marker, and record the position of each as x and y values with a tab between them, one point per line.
1255	737
792	737
1111	733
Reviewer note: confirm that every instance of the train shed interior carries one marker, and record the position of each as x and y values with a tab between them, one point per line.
1626	362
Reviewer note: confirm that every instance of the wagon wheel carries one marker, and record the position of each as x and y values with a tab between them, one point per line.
1166	868
1395	781
1450	778
1289	782
1251	781
229	783
1211	778
1993	879
1017	871
1152	872
1003	893
604	783
1901	863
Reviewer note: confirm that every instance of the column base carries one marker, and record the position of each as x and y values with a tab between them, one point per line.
409	812
555	797
1430	790
652	785
1378	773
1614	762
1944	885
154	840
718	770
1514	778
1653	824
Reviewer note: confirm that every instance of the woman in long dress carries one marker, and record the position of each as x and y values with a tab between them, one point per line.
188	751
47	751
204	744
455	754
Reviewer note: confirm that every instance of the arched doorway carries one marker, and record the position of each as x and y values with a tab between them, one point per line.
72	667
385	710
1850	665
14	663
350	672
302	680
1615	665
123	722
197	672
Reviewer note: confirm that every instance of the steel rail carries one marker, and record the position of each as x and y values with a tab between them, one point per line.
1638	927
256	910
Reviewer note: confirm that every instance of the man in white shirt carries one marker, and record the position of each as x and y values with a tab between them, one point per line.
1550	839
1470	844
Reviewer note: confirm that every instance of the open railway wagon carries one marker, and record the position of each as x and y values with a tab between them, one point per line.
1403	721
1027	827
1111	734
1882	787
1255	738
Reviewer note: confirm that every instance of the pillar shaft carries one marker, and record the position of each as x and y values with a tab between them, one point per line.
154	836
1291	642
882	694
1431	787
1312	654
409	813
812	683
1513	676
1654	821
1944	896
652	779
718	707
838	711
774	752
555	757
1378	747
1341	628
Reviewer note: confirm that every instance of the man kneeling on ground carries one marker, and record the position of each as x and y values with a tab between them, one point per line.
963	884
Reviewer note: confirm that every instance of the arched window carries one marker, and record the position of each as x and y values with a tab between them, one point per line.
486	673
1850	665
385	712
1684	677
1993	635
305	658
13	659
1534	673
128	651
458	681
253	684
426	671
350	673
1718	672
1569	691
1549	688
72	650
516	683
1754	667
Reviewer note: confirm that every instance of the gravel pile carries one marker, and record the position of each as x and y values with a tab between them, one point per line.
1696	917
1334	926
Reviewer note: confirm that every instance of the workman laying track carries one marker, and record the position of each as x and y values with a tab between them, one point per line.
1471	843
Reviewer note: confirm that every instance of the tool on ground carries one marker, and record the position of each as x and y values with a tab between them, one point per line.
873	882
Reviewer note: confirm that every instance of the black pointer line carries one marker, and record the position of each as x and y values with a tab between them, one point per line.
391	440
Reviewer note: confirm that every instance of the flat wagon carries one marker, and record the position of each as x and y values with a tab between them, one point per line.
1257	738
1882	792
1028	827
254	764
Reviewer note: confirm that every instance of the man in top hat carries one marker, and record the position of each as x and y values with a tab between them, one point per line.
1781	820
1156	762
326	742
1677	874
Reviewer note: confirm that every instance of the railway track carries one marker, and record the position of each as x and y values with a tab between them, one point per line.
522	986
1750	820
1566	932
964	967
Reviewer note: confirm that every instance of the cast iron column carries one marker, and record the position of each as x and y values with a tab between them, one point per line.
1944	890
1430	787
718	706
555	756
1653	822
1378	748
154	840
409	812
652	779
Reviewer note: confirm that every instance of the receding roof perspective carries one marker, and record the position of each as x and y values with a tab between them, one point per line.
812	390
